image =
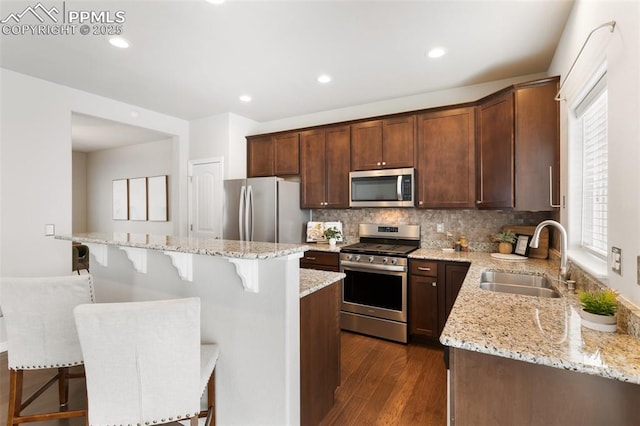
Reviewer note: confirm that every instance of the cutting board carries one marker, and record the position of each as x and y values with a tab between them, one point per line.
542	252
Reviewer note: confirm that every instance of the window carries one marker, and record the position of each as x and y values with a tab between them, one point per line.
591	115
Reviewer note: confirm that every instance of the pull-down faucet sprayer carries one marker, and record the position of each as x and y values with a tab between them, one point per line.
563	244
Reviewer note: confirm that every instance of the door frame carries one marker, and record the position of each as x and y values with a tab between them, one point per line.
190	165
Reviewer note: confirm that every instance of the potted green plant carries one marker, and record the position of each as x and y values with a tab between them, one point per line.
599	309
332	234
505	240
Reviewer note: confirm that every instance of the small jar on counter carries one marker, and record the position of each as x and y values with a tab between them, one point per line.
457	246
464	244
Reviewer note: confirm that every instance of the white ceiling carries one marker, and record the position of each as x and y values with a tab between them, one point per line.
192	59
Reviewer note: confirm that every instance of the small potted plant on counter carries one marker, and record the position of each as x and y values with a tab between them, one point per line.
599	309
332	234
505	240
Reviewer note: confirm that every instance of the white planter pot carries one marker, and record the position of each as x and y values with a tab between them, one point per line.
332	242
604	323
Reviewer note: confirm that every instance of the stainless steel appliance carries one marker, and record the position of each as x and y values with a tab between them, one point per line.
263	209
382	188
374	292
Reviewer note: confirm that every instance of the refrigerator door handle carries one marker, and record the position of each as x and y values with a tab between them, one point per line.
249	214
241	207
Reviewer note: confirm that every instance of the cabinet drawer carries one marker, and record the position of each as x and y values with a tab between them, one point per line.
328	261
420	267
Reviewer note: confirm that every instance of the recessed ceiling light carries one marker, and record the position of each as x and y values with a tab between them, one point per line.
324	78
215	1
245	98
119	42
436	52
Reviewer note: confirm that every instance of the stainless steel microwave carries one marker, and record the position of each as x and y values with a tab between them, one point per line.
382	188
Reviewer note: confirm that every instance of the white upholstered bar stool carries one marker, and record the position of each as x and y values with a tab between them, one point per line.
144	362
41	334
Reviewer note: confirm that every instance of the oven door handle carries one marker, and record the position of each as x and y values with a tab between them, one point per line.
367	267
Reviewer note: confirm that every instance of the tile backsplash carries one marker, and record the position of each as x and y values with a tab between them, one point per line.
476	225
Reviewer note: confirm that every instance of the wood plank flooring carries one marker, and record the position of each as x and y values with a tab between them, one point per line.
383	383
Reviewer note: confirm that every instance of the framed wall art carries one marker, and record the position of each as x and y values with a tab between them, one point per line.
157	196
120	200
138	199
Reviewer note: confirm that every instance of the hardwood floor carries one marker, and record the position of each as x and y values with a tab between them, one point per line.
385	383
382	383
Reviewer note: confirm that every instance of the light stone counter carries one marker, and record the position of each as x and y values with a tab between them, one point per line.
202	246
312	280
326	247
538	330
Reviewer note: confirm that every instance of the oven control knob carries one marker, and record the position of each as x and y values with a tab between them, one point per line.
357	258
371	259
349	256
394	261
385	260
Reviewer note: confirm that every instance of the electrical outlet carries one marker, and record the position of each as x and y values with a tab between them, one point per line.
49	229
616	260
440	227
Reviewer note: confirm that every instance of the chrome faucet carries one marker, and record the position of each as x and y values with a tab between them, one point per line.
563	244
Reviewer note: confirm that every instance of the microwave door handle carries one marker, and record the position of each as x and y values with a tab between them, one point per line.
399	188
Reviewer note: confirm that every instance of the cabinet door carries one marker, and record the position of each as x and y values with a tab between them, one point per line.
454	277
537	146
312	181
260	156
398	142
366	145
326	261
446	159
495	153
338	160
423	315
286	154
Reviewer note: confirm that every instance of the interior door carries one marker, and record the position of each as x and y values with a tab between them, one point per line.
205	199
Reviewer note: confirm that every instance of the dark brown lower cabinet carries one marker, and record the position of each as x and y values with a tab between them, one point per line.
433	288
491	390
319	352
323	260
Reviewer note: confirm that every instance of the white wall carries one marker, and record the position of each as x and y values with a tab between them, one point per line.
141	160
223	136
409	103
79	192
621	50
36	167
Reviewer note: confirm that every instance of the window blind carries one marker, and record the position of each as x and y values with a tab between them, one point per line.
593	119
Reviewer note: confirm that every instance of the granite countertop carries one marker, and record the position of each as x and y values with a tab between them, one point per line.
532	329
202	246
312	280
327	247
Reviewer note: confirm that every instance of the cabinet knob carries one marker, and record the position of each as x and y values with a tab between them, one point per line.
421	202
434	284
384	163
378	163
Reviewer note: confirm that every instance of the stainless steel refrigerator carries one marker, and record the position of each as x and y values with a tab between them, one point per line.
263	209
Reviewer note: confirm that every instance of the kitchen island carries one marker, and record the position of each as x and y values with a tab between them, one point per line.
250	295
533	353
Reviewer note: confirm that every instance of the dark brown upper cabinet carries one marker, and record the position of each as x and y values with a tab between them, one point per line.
325	161
273	155
518	145
446	159
383	144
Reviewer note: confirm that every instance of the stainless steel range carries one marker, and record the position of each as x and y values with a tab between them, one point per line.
374	292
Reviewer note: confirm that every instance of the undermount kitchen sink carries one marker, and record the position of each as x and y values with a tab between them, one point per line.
523	284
